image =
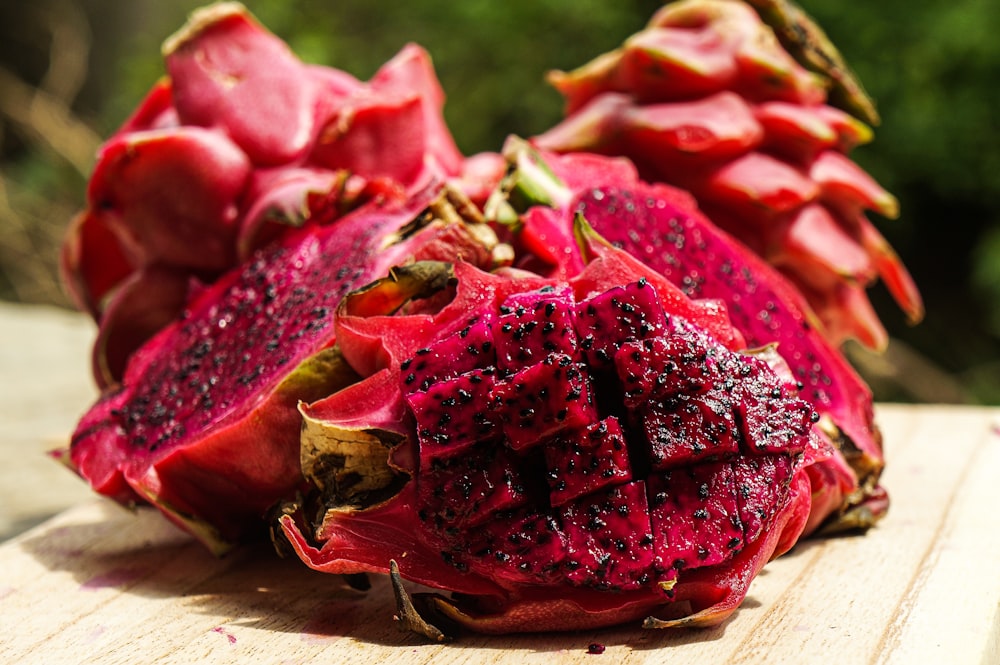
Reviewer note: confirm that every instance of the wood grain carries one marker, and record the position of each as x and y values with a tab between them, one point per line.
98	584
45	386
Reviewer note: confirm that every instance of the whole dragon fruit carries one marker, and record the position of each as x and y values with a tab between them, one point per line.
240	144
204	424
707	98
560	454
662	227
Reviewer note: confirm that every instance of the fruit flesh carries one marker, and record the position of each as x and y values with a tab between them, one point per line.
662	227
204	424
514	513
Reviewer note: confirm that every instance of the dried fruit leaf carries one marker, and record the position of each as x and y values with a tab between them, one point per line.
809	44
406	614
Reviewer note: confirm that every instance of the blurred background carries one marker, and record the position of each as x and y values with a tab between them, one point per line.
71	71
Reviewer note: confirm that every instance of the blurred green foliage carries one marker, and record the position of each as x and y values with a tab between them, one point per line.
933	68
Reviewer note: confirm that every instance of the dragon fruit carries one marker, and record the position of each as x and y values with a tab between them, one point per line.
623	414
663	227
204	423
707	98
237	146
504	445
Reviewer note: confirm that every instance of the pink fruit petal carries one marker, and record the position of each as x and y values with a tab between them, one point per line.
231	73
170	195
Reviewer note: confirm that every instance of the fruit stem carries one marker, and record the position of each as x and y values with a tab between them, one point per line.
528	182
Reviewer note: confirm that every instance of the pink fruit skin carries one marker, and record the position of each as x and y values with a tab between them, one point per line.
187	182
706	98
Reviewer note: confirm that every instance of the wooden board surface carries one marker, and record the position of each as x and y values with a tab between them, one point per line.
45	386
98	584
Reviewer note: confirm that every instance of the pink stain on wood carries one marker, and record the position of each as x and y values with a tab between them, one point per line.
222	631
94	634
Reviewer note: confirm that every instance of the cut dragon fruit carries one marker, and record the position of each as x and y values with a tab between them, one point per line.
623	414
204	424
663	228
569	503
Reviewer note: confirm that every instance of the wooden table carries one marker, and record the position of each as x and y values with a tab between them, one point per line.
97	584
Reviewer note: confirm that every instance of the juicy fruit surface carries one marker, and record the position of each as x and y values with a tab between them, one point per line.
205	421
563	471
609	443
692	256
663	228
276	310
